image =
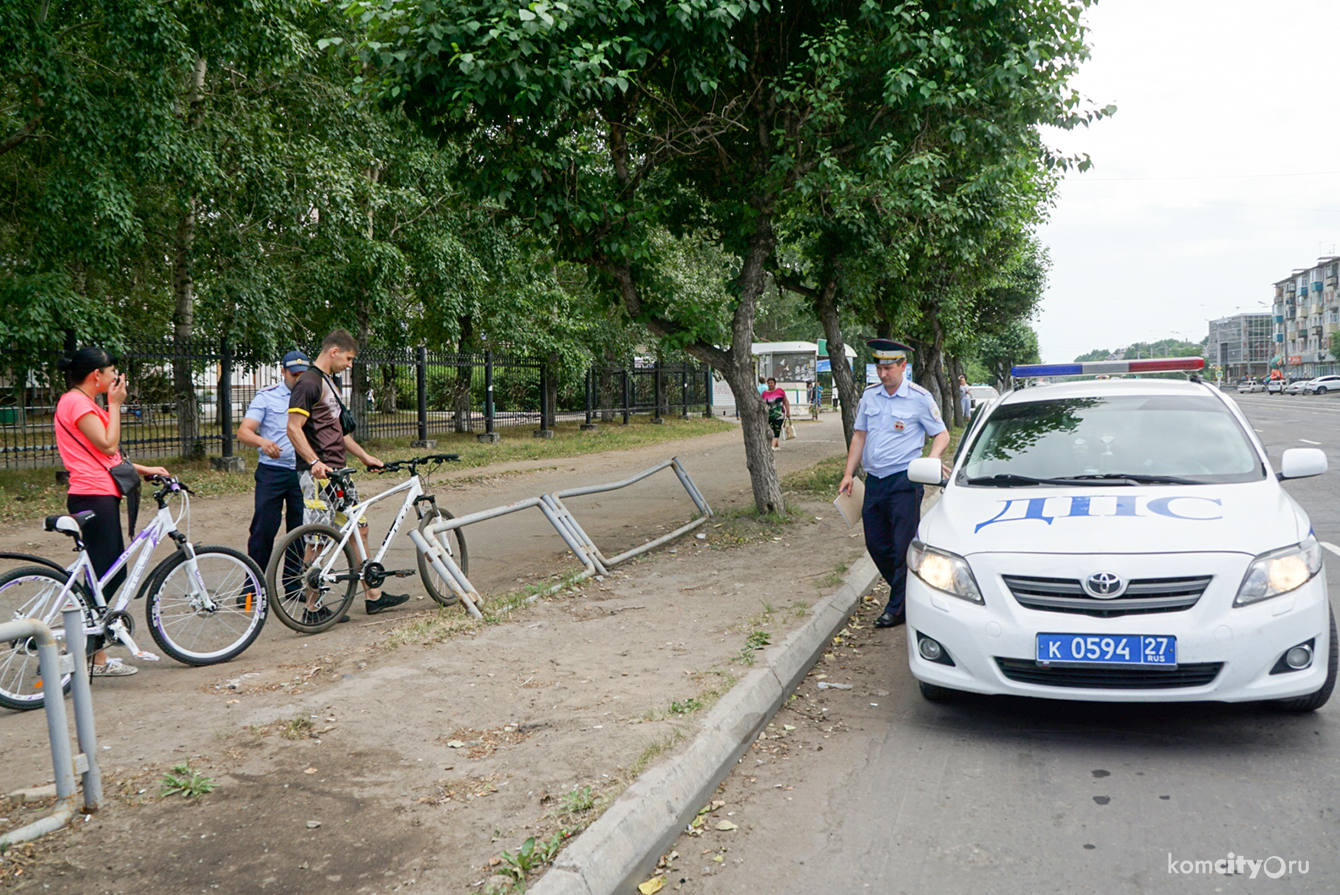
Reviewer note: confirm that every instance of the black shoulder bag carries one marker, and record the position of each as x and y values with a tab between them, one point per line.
347	422
123	474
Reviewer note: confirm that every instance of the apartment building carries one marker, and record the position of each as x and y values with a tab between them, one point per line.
1306	312
1240	346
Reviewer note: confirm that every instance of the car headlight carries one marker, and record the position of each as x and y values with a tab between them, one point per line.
1279	572
944	571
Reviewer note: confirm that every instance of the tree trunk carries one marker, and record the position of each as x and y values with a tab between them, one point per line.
736	363
183	313
183	327
460	389
849	393
386	401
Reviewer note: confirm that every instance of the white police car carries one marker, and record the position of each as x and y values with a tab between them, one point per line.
1122	541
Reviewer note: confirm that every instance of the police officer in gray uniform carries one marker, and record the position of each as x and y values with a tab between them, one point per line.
892	422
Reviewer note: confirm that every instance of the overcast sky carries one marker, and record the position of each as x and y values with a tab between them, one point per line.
1217	176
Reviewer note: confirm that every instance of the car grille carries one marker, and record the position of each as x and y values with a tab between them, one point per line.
1116	677
1142	597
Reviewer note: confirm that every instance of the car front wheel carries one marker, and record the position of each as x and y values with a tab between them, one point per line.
1321	389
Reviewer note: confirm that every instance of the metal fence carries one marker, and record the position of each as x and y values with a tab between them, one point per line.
185	400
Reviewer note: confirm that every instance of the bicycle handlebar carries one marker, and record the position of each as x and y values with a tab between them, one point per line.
414	463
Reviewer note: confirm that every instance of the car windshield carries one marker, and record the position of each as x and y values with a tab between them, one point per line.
1115	440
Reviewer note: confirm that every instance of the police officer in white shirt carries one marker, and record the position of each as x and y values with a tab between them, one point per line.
892	422
265	427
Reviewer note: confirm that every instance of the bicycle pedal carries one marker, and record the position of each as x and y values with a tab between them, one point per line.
401	573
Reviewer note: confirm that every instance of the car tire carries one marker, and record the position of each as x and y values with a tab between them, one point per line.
936	693
1316	700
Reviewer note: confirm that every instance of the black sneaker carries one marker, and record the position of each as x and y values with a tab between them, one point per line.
385	602
316	617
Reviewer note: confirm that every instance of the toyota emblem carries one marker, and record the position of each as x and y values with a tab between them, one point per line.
1104	585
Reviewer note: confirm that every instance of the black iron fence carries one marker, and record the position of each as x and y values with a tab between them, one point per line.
187	399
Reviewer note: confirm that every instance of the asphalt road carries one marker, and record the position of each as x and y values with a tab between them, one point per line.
1008	796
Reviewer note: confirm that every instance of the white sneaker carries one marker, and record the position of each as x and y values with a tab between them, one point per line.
114	668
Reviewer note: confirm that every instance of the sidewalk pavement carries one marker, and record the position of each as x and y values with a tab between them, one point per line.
621	849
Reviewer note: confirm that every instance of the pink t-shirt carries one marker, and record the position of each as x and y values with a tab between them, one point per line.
87	465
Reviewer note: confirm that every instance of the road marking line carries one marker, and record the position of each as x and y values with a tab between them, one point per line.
1305	441
1331	547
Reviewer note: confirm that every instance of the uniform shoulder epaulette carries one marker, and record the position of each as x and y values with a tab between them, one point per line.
917	388
869	387
269	388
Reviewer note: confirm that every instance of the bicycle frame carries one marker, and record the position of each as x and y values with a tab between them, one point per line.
141	549
415	494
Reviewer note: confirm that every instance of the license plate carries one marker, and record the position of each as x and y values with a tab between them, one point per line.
1107	649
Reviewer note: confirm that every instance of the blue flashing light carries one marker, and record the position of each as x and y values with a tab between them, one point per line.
1047	370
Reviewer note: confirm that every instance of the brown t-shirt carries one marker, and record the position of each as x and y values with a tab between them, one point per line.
314	397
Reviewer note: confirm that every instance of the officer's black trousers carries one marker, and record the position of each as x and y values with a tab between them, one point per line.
275	486
890	515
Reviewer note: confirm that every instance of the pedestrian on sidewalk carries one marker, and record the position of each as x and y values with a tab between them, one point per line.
320	430
88	439
964	396
779	411
892	422
815	397
278	492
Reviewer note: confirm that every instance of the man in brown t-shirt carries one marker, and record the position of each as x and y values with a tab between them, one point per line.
320	445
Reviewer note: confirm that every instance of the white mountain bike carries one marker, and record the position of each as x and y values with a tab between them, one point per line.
315	568
204	604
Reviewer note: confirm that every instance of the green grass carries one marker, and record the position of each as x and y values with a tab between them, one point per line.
28	494
183	781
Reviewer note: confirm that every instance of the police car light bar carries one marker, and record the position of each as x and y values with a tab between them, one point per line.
1090	368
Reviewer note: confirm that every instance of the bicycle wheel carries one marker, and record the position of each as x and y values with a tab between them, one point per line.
453	542
30	592
205	627
308	575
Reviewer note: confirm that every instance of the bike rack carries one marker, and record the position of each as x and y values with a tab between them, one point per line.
64	764
567	526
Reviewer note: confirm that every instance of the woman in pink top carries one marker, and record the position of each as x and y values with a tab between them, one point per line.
88	438
779	411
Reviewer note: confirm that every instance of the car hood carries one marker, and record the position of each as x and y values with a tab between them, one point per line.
1246	518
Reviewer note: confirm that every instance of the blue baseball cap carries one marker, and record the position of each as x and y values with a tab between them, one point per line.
296	362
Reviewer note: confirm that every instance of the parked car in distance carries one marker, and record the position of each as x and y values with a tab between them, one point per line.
1274	386
1322	384
1295	386
1247	386
982	394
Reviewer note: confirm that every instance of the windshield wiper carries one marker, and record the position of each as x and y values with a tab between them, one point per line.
1005	479
1137	477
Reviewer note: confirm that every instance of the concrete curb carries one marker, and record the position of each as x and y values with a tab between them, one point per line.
621	849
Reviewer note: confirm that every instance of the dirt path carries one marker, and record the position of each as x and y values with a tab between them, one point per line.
344	765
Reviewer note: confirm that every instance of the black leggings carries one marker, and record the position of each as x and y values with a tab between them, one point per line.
102	535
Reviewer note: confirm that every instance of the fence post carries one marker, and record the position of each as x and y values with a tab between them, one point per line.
548	398
488	435
707	392
421	398
228	462
684	390
657	388
589	425
627	397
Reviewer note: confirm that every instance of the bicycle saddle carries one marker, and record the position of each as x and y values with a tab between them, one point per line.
68	524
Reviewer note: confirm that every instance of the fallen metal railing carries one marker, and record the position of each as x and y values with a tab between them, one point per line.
53	666
569	529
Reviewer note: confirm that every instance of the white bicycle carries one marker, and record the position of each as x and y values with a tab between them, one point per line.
316	567
204	605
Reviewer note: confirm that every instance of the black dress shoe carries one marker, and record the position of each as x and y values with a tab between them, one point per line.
891	619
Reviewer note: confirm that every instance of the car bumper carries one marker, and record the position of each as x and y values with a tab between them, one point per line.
1223	655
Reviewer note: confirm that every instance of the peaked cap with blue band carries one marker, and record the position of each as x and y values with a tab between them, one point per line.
887	351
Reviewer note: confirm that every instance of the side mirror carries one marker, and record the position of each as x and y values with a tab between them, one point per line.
1299	463
926	471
